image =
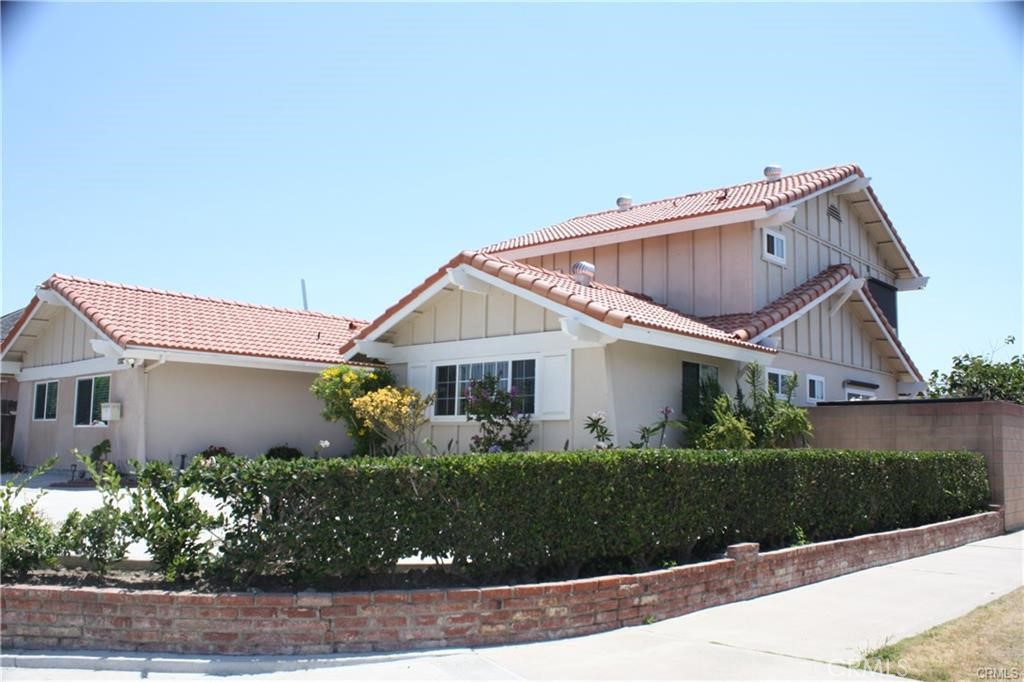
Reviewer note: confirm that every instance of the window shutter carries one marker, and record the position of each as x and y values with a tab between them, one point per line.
419	378
555	387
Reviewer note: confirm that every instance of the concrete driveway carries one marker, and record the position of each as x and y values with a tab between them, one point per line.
808	633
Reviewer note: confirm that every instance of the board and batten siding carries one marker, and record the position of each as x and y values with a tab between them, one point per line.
815	241
456	315
65	339
702	272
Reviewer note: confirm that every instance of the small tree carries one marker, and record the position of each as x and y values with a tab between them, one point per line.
975	376
502	429
338	387
394	414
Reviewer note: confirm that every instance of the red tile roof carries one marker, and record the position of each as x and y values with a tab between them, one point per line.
137	316
760	193
748	325
601	302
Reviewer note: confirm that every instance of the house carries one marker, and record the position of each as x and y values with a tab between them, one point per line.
161	374
8	388
625	311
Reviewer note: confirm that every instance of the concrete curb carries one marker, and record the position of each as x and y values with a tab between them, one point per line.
210	665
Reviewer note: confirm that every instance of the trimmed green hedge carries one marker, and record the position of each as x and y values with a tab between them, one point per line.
555	514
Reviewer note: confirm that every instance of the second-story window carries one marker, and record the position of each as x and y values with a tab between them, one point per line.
775	247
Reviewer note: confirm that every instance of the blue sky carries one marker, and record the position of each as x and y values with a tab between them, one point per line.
232	149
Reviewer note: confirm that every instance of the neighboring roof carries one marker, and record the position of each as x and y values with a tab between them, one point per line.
760	193
138	316
749	325
8	321
604	303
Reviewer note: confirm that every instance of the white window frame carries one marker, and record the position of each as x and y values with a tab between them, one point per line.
780	239
861	393
46	396
807	384
784	374
92	398
510	358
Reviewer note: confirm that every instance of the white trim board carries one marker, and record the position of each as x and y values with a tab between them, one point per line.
71	369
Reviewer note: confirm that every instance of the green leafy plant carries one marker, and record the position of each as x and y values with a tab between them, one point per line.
597	426
99	452
164	512
502	429
727	430
8	465
215	451
101	536
338	387
284	452
658	428
28	540
976	376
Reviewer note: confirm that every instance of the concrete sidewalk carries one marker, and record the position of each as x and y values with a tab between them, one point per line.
803	634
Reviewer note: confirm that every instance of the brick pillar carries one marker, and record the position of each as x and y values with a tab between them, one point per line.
745	554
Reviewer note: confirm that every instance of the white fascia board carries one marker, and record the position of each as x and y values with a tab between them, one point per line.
906	364
10	367
578	329
71	369
803	311
373	349
465	281
403	312
226	360
630	332
543	343
858	184
824	190
633	233
911	283
850	289
775	217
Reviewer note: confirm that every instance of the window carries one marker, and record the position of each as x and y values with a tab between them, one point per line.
774	247
779	382
815	388
859	394
451	384
46	402
89	395
695	378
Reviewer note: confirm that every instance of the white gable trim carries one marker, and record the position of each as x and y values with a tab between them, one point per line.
604	333
892	342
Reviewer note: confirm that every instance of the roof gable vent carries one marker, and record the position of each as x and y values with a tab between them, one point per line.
773	172
583	272
833	213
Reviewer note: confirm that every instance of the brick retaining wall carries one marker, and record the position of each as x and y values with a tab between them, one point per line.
52	617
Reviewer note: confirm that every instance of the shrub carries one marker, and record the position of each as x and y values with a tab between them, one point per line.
215	451
726	431
27	538
101	536
502	428
394	414
338	387
976	376
165	514
8	465
520	516
284	452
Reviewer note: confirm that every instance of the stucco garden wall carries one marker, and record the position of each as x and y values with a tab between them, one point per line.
995	429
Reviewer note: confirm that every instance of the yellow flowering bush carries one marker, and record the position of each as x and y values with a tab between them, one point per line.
338	387
395	415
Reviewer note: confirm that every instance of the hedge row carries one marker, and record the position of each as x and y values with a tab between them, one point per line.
557	513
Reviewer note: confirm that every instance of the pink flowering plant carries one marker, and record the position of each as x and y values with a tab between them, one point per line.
502	428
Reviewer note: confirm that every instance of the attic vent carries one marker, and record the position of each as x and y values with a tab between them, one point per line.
833	212
583	272
773	172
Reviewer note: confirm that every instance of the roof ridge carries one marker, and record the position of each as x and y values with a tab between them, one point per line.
675	197
196	297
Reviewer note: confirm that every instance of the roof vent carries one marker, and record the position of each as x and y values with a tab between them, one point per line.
624	203
773	172
583	272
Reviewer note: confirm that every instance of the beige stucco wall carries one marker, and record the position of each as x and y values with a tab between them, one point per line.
703	272
65	339
35	441
834	374
192	406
